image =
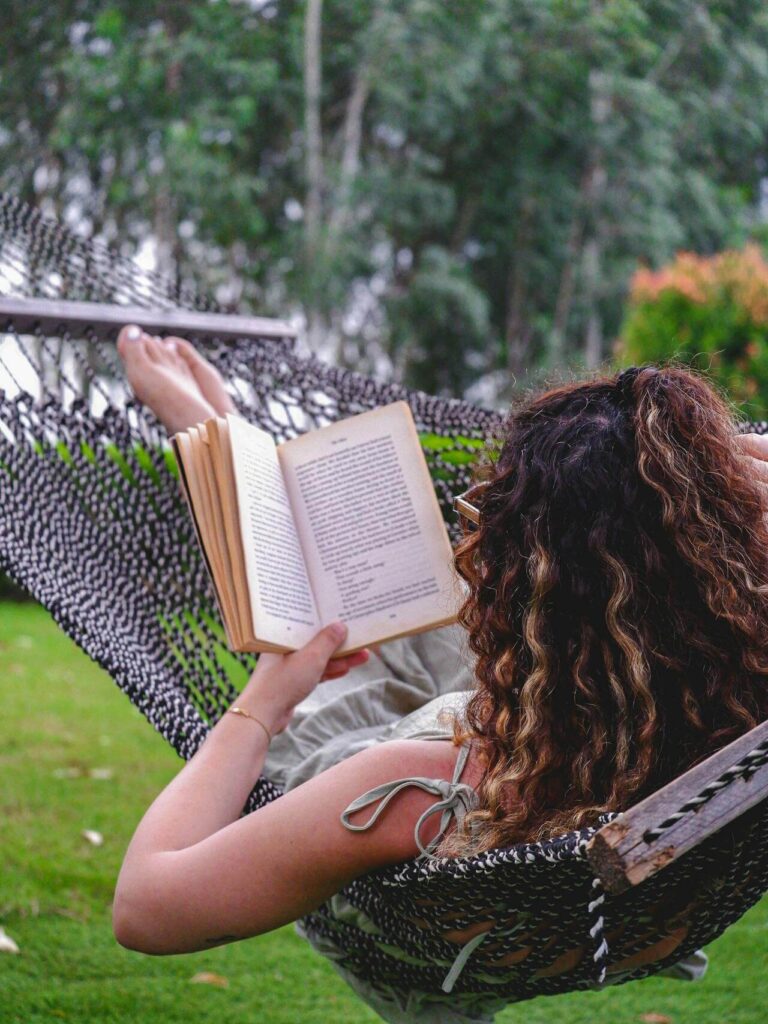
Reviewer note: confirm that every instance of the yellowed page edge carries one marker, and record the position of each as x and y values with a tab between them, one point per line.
201	448
185	459
221	460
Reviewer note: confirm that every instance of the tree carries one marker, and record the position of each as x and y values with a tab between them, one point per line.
445	193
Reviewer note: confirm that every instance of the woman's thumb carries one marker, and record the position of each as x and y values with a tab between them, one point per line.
322	646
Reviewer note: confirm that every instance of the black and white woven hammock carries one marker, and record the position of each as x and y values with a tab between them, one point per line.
92	524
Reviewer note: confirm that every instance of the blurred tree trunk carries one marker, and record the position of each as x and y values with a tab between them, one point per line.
567	280
165	211
313	206
352	138
593	338
600	108
518	332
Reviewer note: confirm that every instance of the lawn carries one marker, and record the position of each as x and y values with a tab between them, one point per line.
75	756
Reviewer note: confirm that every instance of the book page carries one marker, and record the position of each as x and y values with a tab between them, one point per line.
373	537
284	610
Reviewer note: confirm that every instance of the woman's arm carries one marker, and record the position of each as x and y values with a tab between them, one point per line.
212	788
196	874
270	867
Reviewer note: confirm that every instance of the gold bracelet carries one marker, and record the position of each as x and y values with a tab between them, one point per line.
247	714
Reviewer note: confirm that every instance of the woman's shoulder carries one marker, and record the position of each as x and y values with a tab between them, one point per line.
354	789
397	774
413	757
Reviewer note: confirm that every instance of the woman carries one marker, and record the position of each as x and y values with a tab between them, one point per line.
617	610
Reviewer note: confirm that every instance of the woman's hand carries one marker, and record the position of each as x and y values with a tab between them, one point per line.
281	681
754	447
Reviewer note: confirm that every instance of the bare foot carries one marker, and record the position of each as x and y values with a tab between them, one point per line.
167	375
207	376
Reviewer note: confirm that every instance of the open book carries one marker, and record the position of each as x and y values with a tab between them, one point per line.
339	523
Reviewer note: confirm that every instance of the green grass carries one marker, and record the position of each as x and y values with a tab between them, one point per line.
62	719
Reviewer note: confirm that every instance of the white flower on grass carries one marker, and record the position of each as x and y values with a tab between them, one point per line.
94	838
7	945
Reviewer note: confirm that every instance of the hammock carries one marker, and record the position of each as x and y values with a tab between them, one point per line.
93	526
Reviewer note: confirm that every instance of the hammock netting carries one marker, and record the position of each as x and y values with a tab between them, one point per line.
93	525
92	522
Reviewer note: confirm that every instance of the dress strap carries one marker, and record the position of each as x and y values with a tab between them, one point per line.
455	800
461	762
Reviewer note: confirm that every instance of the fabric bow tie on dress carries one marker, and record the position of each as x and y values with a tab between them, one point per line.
457	798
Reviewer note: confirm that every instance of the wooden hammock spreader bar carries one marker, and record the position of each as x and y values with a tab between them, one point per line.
653	833
104	321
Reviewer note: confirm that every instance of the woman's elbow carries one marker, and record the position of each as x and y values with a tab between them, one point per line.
129	929
135	927
126	930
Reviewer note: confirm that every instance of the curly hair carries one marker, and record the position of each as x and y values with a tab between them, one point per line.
617	602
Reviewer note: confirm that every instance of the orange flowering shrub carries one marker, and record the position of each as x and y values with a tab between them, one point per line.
711	312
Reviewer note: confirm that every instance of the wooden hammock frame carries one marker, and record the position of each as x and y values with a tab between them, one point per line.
654	833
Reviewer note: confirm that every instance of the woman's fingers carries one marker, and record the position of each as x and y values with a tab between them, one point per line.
754	449
340	666
755	445
757	469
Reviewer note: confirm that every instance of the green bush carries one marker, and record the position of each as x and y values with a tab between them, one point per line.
710	312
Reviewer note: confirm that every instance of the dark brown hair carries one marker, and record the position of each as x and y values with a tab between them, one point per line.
618	601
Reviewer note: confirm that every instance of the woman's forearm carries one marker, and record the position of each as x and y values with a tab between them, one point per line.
208	793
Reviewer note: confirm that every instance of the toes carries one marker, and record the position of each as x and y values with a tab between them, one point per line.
147	352
207	376
153	348
127	340
170	345
153	362
174	350
163	351
131	347
189	354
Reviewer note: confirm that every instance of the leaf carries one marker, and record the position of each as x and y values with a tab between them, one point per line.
7	945
654	1018
93	837
209	978
109	24
70	772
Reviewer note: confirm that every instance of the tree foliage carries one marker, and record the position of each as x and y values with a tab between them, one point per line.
443	191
